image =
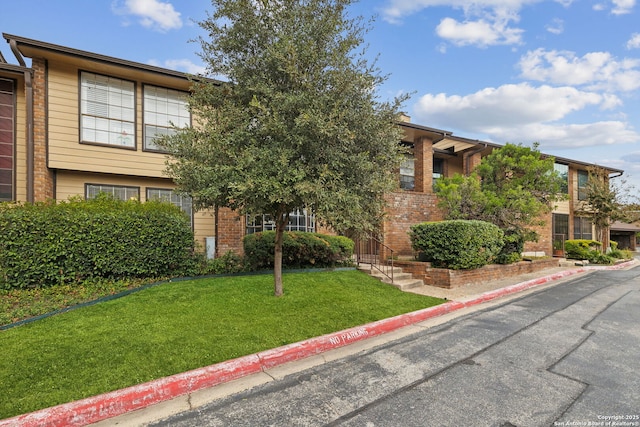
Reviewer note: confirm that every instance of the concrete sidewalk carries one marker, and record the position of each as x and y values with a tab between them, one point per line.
137	405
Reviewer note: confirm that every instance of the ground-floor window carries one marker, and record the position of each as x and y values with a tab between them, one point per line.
560	229
168	195
582	228
299	220
120	192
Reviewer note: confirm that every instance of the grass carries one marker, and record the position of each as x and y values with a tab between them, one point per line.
175	327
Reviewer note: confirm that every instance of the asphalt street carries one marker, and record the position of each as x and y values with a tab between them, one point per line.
563	356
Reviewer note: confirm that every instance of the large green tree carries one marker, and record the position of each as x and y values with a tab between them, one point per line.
296	123
606	202
512	188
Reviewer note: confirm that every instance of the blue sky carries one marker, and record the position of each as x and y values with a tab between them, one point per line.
562	73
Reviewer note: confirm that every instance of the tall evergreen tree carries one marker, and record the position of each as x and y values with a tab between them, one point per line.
296	123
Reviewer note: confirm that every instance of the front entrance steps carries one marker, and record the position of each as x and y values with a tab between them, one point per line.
401	280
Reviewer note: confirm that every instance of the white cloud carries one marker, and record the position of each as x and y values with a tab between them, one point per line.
622	7
619	7
510	104
595	70
183	65
556	26
634	41
153	14
523	113
557	136
479	33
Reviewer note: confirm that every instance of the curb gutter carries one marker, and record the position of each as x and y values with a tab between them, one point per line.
97	408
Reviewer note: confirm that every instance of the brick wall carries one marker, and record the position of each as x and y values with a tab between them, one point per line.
445	278
230	231
43	177
407	208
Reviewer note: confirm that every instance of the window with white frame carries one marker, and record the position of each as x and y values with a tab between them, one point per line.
119	192
168	195
107	106
299	220
163	108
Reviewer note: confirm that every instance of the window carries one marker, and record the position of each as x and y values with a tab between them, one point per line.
438	170
107	106
7	114
167	195
117	191
408	173
563	172
560	229
583	178
299	220
582	228
163	108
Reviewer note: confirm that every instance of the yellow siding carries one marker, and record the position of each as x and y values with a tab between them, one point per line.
21	142
65	149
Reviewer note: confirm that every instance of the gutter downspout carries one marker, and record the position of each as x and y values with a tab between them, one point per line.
28	81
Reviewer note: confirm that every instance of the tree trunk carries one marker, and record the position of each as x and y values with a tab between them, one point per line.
281	223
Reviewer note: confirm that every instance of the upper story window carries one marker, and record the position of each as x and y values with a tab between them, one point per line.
408	173
120	192
7	114
563	172
107	106
168	195
299	220
438	170
163	108
583	178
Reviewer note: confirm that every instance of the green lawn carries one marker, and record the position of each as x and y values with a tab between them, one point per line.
175	327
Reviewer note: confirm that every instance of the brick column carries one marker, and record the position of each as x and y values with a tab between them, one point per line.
423	152
43	176
469	163
229	232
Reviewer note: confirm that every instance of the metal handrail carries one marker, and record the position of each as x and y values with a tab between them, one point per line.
373	252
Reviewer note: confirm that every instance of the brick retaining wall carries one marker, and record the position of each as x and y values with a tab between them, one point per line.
445	278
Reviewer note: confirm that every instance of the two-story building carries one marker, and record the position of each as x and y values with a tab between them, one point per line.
79	123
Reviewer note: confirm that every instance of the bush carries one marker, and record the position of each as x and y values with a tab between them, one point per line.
299	250
589	250
512	250
228	263
581	249
457	244
51	243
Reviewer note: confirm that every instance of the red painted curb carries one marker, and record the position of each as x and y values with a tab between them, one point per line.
108	405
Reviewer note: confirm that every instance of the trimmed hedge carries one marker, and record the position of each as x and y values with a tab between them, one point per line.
299	250
457	244
67	242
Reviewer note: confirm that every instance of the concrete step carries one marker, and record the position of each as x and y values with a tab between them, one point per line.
405	284
401	280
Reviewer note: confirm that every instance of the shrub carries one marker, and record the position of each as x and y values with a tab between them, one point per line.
581	249
457	244
228	263
512	250
299	250
47	243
